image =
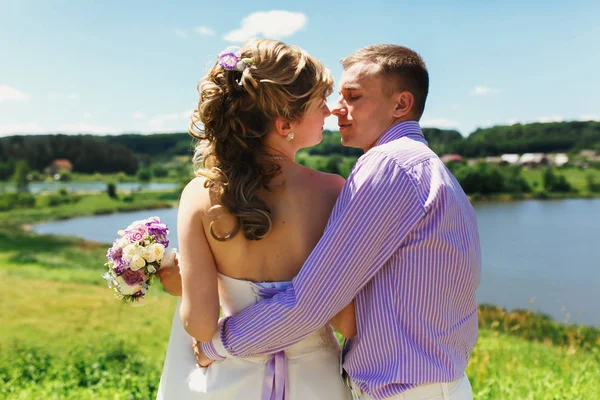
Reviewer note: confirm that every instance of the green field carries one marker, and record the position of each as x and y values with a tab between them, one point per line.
575	176
64	336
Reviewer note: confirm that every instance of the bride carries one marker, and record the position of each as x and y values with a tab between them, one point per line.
249	220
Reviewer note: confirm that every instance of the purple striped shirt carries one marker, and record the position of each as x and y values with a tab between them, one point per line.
402	242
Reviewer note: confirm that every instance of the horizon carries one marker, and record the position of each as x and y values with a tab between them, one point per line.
183	132
132	68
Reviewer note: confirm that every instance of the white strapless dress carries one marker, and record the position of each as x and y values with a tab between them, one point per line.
313	364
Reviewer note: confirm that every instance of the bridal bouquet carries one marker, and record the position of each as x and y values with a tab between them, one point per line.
135	256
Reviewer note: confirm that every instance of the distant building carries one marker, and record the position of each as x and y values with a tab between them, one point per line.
559	159
494	160
451	158
510	158
534	159
587	153
59	165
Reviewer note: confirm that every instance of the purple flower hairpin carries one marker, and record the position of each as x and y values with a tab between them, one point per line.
231	59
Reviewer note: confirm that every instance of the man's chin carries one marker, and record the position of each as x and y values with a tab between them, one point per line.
349	143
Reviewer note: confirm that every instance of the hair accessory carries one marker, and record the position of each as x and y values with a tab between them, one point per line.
231	59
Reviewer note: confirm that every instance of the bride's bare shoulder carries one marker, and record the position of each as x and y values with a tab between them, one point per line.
196	194
323	181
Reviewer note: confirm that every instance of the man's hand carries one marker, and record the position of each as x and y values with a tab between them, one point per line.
202	359
170	277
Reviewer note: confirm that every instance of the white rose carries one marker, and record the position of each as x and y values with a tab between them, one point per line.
123	242
137	262
158	251
150	255
129	252
141	251
124	288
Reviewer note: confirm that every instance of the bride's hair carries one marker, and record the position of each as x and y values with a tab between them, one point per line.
235	111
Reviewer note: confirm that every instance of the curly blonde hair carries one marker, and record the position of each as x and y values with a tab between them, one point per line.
235	112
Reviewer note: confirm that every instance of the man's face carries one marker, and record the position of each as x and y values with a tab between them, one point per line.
365	110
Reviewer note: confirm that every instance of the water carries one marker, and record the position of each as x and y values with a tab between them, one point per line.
37	187
544	256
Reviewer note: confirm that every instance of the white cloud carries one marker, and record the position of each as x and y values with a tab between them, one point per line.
512	121
20	129
589	118
87	115
82	127
66	128
442	123
138	115
11	94
271	24
482	90
64	96
181	33
554	118
174	122
204	31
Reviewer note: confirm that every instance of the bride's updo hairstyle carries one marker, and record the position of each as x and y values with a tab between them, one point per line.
240	98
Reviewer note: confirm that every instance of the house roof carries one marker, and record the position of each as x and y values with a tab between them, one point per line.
451	157
62	163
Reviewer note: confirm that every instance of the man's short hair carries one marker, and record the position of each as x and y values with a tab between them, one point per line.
401	64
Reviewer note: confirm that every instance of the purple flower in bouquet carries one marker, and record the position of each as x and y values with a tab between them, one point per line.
114	253
158	230
133	277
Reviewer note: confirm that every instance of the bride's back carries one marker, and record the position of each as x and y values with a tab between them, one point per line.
300	203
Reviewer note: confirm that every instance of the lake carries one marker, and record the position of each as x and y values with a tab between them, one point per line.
37	187
540	255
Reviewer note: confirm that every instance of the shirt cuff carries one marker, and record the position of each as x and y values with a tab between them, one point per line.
215	348
208	348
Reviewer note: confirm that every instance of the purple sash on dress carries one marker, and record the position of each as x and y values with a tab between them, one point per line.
275	384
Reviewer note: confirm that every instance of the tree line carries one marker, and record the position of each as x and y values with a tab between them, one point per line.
126	153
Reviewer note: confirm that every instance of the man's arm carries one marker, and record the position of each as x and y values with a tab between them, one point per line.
376	210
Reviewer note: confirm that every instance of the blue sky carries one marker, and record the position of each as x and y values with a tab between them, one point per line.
132	66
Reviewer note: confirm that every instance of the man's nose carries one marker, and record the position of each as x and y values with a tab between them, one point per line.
339	108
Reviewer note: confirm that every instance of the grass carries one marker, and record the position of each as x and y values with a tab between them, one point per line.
64	336
90	204
506	367
575	176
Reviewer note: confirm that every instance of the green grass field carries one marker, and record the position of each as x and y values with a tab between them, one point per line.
575	176
64	336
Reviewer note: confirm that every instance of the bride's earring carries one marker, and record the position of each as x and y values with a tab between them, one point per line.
290	136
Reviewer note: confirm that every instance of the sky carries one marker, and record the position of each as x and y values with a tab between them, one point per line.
110	67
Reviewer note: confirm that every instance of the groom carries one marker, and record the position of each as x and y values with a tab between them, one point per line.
402	241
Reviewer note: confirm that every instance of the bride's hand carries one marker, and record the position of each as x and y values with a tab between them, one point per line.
170	277
202	359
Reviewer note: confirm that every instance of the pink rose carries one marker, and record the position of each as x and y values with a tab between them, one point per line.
136	233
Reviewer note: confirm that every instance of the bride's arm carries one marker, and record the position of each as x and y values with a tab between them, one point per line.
345	321
200	299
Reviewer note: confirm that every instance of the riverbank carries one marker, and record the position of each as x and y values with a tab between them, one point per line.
508	197
88	205
64	335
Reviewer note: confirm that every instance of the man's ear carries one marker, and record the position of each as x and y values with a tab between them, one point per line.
283	126
404	102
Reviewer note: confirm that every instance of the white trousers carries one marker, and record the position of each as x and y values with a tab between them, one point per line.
457	390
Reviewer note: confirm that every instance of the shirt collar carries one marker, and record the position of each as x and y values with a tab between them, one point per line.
401	129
